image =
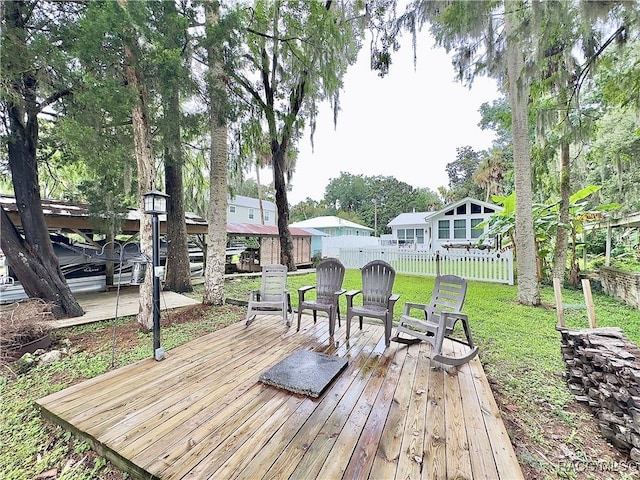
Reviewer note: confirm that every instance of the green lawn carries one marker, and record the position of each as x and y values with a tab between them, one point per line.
519	348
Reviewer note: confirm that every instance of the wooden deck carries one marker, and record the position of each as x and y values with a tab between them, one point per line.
105	305
202	413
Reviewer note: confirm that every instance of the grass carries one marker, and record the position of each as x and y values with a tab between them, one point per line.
519	348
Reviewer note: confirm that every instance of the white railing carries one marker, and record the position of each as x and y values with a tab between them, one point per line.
482	265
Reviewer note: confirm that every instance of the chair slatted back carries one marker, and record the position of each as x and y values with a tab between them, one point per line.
329	278
448	295
274	283
377	283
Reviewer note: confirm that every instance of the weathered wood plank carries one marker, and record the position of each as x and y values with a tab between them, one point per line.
320	449
138	386
412	450
434	465
482	462
189	426
288	458
365	451
457	445
388	453
345	443
503	453
202	413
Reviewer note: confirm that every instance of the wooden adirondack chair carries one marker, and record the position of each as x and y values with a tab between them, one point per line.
440	318
328	287
377	297
272	298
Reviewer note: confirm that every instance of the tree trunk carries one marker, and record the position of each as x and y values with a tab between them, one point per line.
562	234
279	151
217	230
178	275
259	193
528	287
45	280
146	171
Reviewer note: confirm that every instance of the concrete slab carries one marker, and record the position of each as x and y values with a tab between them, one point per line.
305	372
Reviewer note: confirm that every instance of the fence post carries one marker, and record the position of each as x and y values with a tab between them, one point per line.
559	306
588	299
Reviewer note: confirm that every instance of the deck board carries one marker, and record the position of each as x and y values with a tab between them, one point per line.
202	413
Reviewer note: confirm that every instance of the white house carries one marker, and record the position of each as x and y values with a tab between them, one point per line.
247	210
450	227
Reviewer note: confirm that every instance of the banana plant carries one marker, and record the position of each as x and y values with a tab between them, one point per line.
545	218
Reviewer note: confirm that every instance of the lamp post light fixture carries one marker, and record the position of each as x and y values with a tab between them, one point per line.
155	203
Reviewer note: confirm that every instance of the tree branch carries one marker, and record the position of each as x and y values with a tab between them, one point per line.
54	98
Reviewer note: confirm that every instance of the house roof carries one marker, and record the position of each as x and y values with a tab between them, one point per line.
418	218
413	218
316	233
249	202
328	221
250	229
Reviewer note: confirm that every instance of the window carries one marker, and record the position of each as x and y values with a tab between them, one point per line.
266	216
232	209
449	212
462	209
488	210
476	232
410	235
460	228
420	236
443	229
475	208
251	214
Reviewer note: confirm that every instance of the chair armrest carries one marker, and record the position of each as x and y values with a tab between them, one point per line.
408	306
350	294
392	302
455	316
340	292
303	290
254	295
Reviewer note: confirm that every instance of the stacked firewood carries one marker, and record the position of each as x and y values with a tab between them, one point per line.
603	370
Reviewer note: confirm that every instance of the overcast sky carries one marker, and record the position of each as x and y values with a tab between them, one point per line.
407	125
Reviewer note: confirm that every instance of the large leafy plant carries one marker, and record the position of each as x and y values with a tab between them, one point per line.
546	224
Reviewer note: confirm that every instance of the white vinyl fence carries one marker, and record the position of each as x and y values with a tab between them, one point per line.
331	246
486	266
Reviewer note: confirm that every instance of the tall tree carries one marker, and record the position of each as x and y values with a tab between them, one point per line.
572	42
174	77
217	101
490	174
296	54
460	173
34	80
519	87
141	123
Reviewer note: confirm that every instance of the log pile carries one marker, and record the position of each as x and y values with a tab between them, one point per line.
603	370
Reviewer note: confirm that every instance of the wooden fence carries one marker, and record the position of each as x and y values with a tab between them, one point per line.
486	266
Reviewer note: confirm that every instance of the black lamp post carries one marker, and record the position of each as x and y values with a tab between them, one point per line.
155	203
